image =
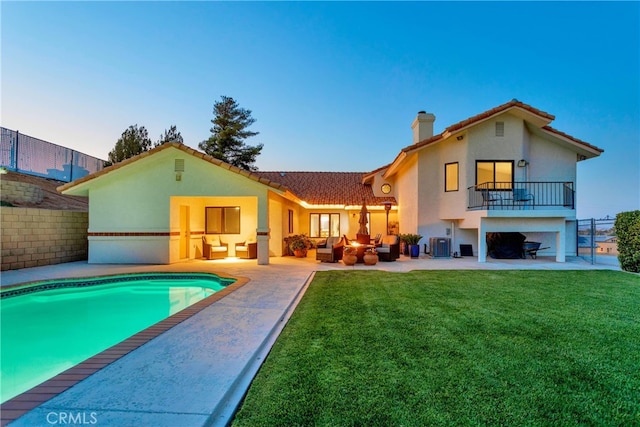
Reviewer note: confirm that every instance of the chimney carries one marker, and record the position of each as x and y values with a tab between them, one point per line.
422	126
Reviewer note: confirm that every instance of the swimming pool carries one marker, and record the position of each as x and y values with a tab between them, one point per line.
49	327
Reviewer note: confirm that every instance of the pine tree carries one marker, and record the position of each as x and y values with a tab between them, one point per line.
228	134
171	135
133	141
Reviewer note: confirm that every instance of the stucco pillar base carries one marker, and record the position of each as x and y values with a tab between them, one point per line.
263	246
560	246
482	244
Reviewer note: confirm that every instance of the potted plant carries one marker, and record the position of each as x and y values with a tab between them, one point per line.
370	257
349	256
412	241
300	244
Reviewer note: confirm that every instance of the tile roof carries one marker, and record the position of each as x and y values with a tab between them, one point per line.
497	110
574	139
182	147
327	188
514	103
342	188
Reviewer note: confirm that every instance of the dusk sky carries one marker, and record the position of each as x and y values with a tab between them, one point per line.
333	86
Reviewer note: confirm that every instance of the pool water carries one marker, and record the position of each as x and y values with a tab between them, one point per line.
46	329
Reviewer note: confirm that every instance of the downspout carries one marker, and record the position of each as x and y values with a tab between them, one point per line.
453	237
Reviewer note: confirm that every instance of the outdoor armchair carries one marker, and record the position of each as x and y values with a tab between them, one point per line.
247	249
389	249
213	248
520	195
331	251
490	198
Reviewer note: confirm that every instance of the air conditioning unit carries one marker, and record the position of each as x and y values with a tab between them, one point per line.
440	247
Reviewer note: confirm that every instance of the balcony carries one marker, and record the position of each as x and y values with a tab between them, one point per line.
521	195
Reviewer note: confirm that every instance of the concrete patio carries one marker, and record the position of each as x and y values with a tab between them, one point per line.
196	373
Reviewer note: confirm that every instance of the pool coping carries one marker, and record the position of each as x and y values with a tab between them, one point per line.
19	405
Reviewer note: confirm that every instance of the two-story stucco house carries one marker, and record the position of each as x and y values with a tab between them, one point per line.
504	170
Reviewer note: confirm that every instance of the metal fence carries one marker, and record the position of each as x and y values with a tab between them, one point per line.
597	241
33	156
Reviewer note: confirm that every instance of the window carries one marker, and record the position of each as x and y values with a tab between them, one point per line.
290	221
451	177
222	220
324	225
494	174
499	128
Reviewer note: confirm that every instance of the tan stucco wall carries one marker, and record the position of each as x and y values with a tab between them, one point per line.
34	237
406	188
248	224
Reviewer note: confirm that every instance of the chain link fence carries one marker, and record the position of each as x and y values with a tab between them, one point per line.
597	241
33	156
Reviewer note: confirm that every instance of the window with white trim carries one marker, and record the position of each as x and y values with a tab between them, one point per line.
494	174
324	225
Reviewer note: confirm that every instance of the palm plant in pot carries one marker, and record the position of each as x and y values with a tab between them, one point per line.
413	240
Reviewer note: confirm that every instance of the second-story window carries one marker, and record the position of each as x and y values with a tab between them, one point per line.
451	176
494	174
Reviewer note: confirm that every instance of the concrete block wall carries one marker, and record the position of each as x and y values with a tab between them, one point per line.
35	237
14	191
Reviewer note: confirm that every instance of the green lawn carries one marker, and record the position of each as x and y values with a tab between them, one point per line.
455	348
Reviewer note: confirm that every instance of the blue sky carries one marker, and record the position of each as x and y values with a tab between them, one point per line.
333	86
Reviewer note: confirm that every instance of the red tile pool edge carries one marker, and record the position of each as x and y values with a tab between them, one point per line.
30	399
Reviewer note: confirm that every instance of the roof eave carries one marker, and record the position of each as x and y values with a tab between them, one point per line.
82	182
588	151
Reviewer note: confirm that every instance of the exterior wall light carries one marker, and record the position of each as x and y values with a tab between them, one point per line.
522	163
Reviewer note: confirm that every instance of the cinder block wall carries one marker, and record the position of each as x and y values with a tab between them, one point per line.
13	191
34	237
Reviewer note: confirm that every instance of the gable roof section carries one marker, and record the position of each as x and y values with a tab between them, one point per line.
327	188
520	109
312	188
368	177
573	140
251	175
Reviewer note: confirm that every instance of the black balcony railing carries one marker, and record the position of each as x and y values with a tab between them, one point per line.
521	195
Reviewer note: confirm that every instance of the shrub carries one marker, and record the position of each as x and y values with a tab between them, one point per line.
628	232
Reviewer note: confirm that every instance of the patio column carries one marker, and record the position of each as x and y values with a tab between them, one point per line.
561	240
482	243
262	232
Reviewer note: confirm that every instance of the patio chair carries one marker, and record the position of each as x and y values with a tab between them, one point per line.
376	240
214	248
490	198
520	195
331	250
247	249
389	249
